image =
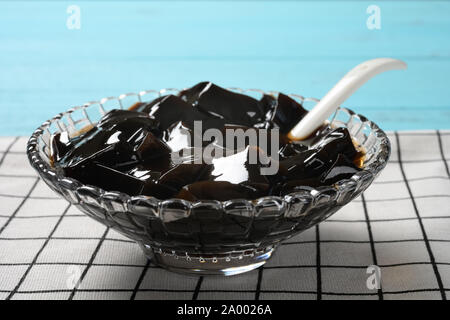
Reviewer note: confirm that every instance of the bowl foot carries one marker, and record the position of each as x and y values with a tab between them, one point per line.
225	265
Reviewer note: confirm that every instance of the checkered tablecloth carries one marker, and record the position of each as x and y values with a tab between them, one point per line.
401	224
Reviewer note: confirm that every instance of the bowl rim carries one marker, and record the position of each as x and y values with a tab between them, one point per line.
368	172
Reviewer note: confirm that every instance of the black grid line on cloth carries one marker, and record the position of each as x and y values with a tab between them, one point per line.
417	161
331	266
18	152
89	265
62	263
441	149
424	234
267	267
388	220
363	241
25	197
318	266
197	288
331	293
131	241
258	283
261	291
431	196
71	238
372	244
8	149
283	244
22	279
29	197
7	175
412	179
41	217
141	278
419	133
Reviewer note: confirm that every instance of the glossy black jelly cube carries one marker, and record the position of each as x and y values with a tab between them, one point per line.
288	113
224	104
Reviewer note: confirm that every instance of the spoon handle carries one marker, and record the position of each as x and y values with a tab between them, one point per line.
354	79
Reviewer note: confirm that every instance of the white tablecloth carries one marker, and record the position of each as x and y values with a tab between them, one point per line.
401	224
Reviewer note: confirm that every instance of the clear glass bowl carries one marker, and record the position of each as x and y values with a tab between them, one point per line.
206	237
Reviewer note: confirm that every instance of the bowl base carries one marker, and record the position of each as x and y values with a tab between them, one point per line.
210	265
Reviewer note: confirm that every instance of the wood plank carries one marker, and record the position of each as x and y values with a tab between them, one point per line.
301	47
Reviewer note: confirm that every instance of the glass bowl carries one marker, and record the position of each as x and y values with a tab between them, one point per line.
206	237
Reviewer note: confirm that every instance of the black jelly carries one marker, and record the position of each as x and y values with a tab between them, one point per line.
150	149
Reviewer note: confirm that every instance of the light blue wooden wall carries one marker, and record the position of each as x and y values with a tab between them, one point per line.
291	46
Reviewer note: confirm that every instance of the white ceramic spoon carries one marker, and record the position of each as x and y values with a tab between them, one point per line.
340	92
